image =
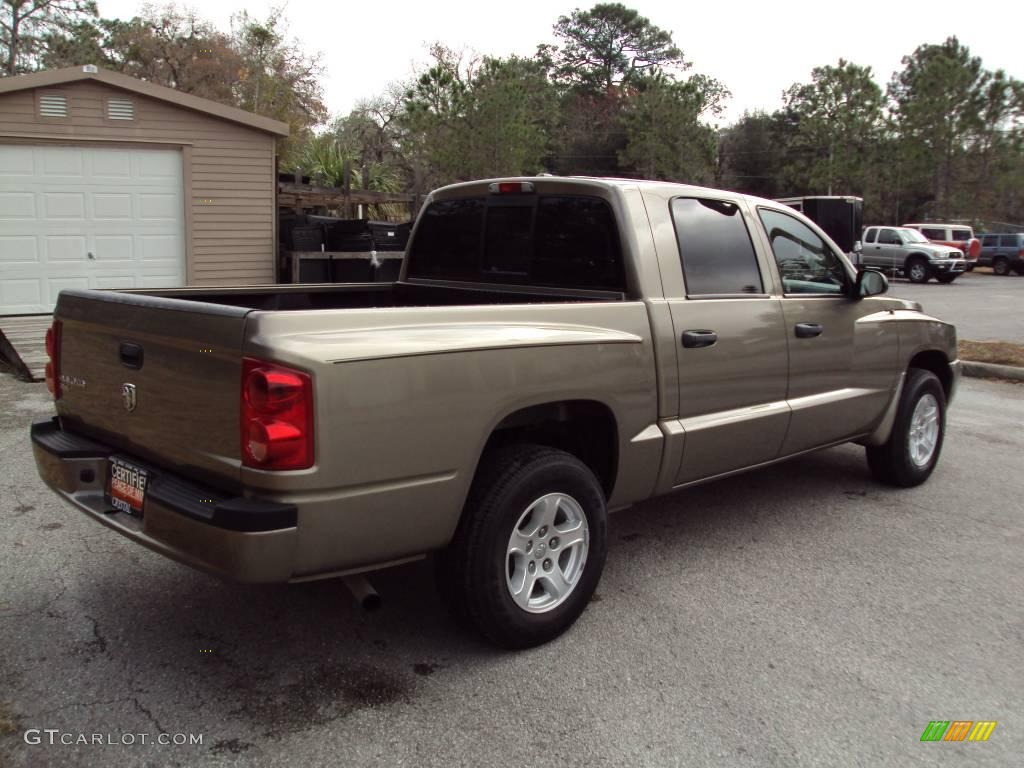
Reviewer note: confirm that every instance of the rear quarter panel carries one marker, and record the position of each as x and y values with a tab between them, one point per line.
401	425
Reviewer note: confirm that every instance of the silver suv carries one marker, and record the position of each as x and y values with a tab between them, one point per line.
905	250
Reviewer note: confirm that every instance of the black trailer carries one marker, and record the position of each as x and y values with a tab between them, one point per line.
842	218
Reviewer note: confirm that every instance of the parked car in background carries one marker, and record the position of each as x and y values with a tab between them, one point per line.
956	235
1003	252
905	250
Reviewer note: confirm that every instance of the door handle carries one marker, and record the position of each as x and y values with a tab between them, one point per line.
698	339
808	330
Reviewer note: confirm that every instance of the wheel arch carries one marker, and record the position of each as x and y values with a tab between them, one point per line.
915	256
587	429
935	361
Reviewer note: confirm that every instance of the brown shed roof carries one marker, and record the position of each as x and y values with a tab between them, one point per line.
56	77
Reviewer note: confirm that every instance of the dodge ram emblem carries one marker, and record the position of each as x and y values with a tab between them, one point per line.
128	397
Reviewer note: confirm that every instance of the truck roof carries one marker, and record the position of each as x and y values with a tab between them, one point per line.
607	182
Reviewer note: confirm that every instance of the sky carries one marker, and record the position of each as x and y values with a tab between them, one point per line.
757	49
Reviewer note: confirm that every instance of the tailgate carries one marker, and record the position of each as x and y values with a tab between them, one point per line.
155	378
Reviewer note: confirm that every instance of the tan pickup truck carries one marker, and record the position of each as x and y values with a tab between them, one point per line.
554	348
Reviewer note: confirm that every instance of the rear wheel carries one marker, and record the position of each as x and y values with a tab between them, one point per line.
1001	267
912	451
530	548
917	271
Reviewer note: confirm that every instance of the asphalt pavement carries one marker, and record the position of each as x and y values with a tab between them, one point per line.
801	615
983	307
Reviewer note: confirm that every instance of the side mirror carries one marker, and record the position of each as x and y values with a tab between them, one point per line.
870	282
857	247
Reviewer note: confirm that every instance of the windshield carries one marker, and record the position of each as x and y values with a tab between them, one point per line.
913	236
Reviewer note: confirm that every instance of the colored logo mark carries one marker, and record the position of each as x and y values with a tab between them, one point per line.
958	730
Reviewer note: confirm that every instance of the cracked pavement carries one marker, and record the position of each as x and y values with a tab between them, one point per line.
801	615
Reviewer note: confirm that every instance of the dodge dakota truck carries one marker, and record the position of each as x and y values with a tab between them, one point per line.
554	349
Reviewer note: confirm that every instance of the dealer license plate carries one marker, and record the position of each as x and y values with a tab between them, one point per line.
127	486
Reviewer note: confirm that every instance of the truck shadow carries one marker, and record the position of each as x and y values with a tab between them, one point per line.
279	660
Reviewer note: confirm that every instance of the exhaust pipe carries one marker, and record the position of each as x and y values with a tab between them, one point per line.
363	592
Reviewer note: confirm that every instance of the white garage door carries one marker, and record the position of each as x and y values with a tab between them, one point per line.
83	217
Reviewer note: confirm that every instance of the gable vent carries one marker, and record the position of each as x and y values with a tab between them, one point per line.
120	109
53	105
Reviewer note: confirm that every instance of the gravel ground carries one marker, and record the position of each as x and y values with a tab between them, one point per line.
801	615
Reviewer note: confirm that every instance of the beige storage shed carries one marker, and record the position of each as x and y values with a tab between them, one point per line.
107	181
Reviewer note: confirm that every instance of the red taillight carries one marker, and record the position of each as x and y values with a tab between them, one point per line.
271	442
272	389
53	352
276	416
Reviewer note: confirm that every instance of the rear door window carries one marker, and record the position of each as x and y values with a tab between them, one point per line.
933	234
989	241
961	235
870	237
715	248
558	241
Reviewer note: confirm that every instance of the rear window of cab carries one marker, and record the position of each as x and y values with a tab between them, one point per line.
558	241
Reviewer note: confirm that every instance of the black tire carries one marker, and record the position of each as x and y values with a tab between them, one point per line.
891	463
918	276
946	279
1001	267
472	571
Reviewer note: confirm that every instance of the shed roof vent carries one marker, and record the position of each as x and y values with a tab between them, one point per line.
53	105
120	109
90	69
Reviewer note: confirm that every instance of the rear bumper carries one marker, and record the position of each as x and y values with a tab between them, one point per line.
239	538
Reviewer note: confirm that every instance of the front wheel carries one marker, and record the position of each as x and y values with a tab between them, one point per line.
917	271
912	451
530	548
1001	267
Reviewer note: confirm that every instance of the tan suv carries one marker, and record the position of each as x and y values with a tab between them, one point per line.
956	235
